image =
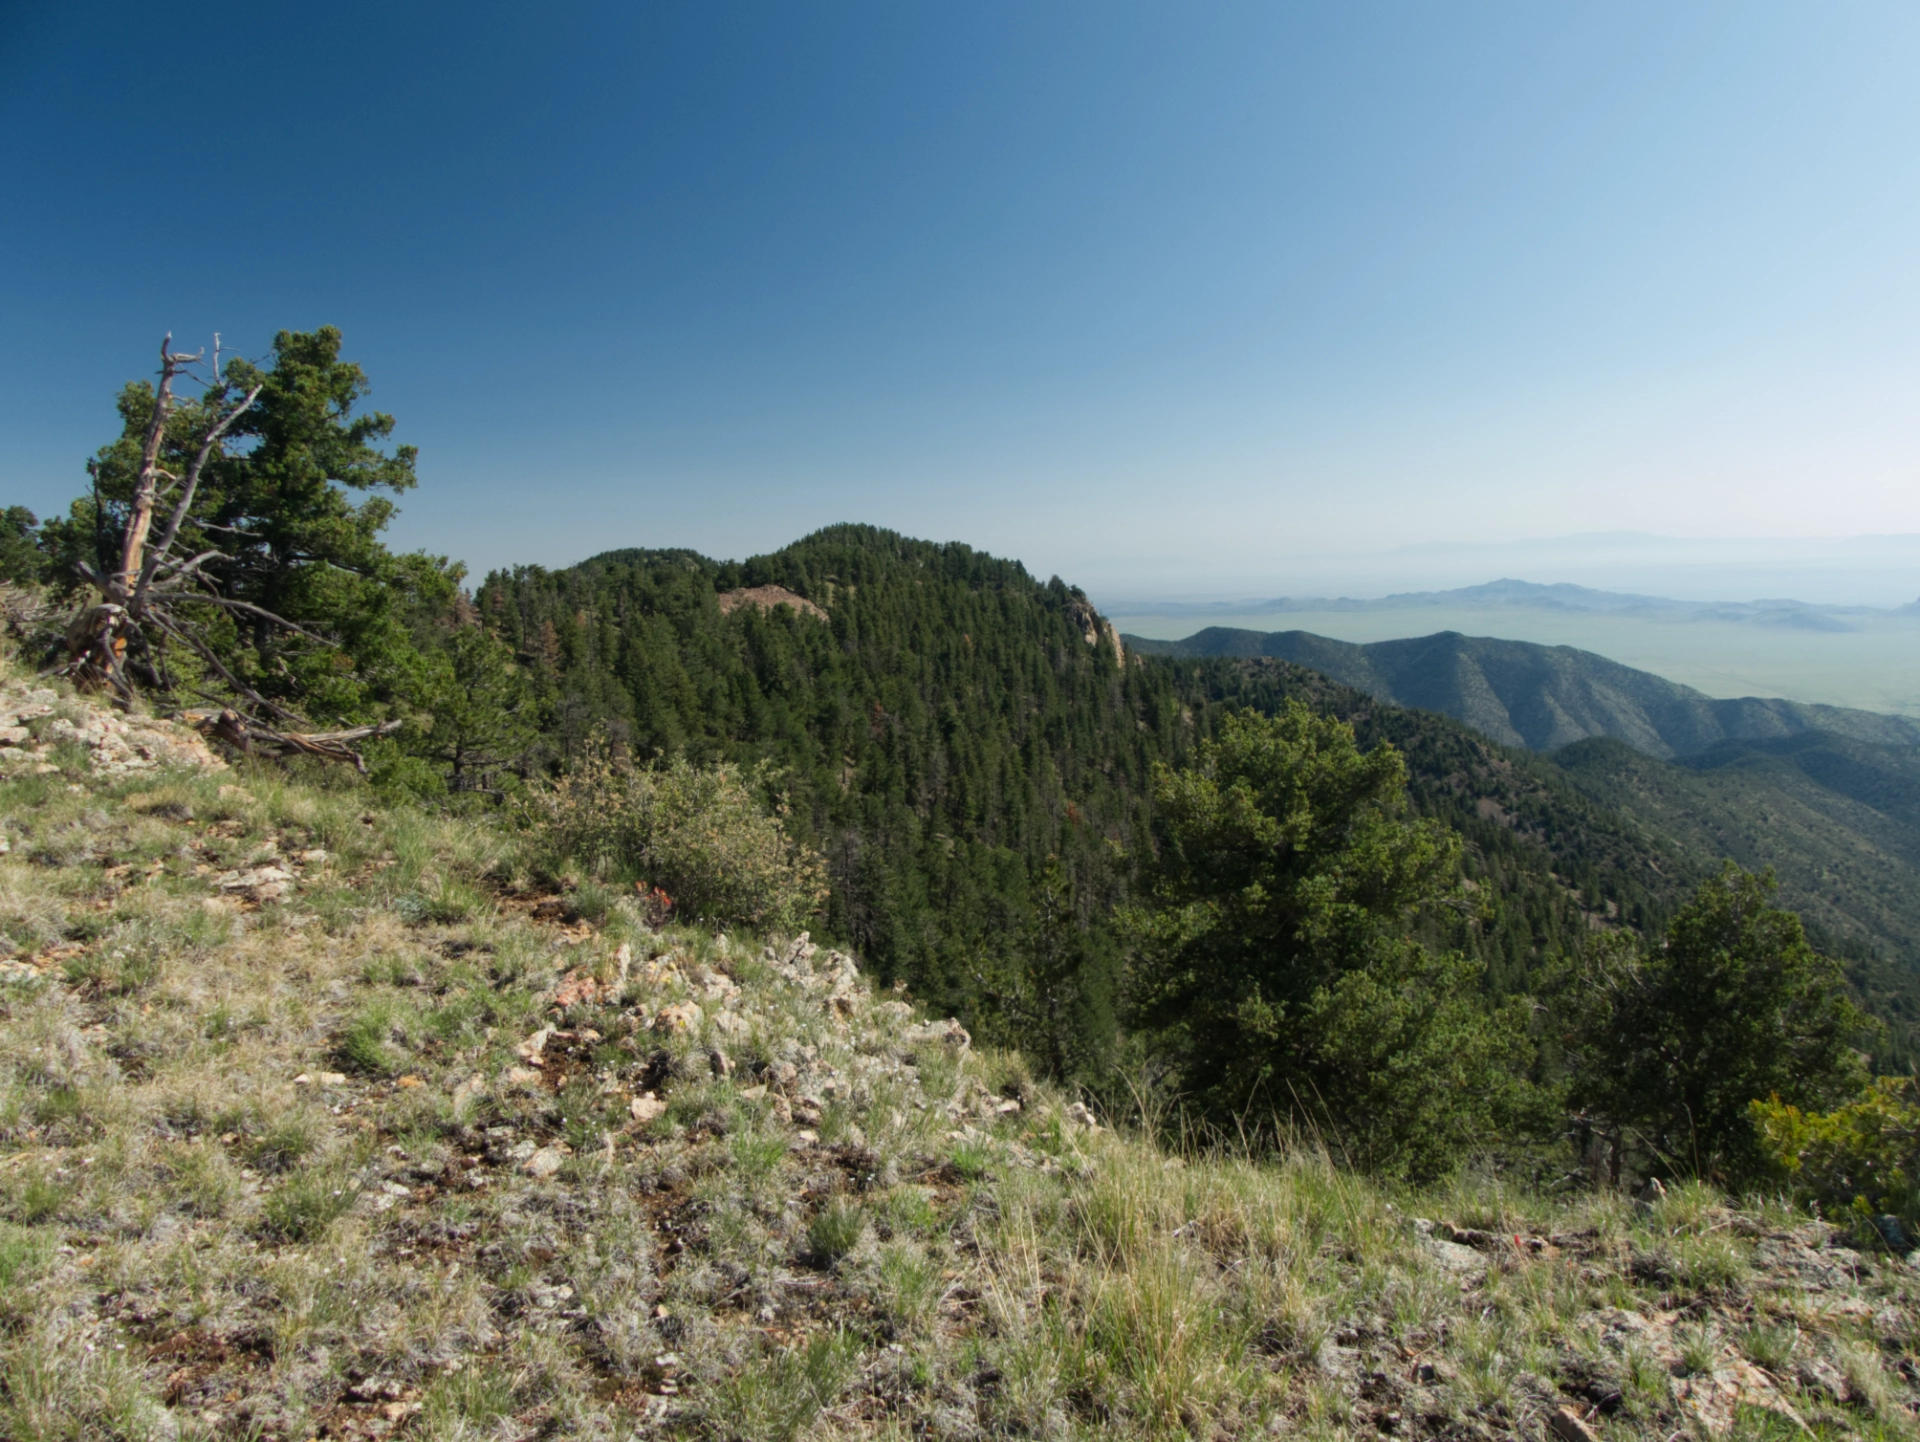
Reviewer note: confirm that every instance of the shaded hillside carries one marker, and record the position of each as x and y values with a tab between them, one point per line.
1542	697
1838	820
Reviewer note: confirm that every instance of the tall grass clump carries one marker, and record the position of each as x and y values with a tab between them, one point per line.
702	834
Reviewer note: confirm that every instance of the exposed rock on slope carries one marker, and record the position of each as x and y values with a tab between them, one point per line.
36	719
765	598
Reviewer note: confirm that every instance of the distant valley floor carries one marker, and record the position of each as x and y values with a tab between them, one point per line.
1875	667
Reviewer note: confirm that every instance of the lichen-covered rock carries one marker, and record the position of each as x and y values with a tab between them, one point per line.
35	720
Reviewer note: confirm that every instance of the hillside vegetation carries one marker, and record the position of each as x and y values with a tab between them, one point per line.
1543	697
1838	820
951	727
970	750
947	726
327	1117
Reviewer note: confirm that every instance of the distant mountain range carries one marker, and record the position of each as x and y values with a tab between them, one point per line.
1528	595
1542	697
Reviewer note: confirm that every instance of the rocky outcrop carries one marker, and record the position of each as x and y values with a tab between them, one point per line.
765	598
1092	626
36	720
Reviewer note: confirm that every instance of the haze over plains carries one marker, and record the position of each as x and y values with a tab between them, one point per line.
1169	300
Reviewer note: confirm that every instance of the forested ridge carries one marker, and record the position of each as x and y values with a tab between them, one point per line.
943	733
972	783
955	723
1544	697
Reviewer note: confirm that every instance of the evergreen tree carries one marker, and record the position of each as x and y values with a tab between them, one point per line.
945	722
475	713
1274	961
297	602
21	561
1050	992
1671	1044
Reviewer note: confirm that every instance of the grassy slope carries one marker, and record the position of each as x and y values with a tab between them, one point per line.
197	1242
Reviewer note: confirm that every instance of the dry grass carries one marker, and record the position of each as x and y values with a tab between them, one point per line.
279	1169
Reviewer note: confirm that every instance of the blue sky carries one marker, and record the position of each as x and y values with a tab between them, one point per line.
1154	296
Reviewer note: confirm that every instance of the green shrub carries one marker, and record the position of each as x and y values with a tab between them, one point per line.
363	1045
971	1161
700	834
1670	1044
21	1253
475	1397
1273	961
1862	1158
287	1140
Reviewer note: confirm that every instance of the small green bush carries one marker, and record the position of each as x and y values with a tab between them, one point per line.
1770	1346
473	1397
776	1396
289	1139
700	834
363	1045
21	1253
1862	1158
971	1161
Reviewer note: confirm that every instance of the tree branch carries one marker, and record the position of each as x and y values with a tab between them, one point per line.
244	734
177	571
205	653
140	516
191	487
253	610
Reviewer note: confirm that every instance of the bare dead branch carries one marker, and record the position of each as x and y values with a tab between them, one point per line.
140	517
177	570
206	653
244	735
191	487
253	610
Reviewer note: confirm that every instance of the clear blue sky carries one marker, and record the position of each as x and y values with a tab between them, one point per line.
1149	295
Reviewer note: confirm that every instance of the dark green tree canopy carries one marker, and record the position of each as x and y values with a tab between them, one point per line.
946	728
1672	1043
1274	961
1286	858
21	560
282	510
